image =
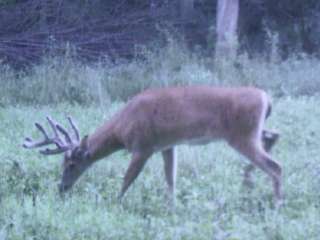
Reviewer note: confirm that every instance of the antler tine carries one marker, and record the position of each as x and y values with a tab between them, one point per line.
41	129
65	133
53	126
74	127
49	151
29	143
57	127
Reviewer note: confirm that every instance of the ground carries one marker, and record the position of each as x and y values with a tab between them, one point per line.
211	202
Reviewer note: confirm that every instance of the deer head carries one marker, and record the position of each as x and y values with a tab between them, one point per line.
76	154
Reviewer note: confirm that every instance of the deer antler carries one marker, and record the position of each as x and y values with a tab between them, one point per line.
61	145
75	129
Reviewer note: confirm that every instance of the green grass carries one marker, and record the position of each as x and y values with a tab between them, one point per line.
211	202
65	79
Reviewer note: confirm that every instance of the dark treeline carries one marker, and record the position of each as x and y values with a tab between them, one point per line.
97	28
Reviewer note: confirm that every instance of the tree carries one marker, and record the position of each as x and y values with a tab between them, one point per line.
227	20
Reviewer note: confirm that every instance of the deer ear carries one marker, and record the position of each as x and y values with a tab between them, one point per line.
84	147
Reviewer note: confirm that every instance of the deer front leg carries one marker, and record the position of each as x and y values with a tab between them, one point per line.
170	169
136	165
269	138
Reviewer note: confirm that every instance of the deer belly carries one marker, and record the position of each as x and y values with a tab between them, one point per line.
194	141
200	141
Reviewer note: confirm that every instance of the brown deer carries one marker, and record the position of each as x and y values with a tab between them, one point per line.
157	120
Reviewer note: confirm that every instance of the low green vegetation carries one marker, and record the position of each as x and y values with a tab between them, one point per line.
65	79
211	202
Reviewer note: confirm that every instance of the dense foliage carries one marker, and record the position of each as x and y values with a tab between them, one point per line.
31	28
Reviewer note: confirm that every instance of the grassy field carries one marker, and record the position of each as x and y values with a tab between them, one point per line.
67	79
211	201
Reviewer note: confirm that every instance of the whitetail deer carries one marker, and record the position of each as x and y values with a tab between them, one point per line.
158	120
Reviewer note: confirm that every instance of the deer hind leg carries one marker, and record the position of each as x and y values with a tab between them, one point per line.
269	138
136	165
261	159
170	169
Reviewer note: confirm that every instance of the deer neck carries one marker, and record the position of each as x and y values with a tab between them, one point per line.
102	143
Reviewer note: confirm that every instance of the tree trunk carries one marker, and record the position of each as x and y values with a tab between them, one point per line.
227	19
